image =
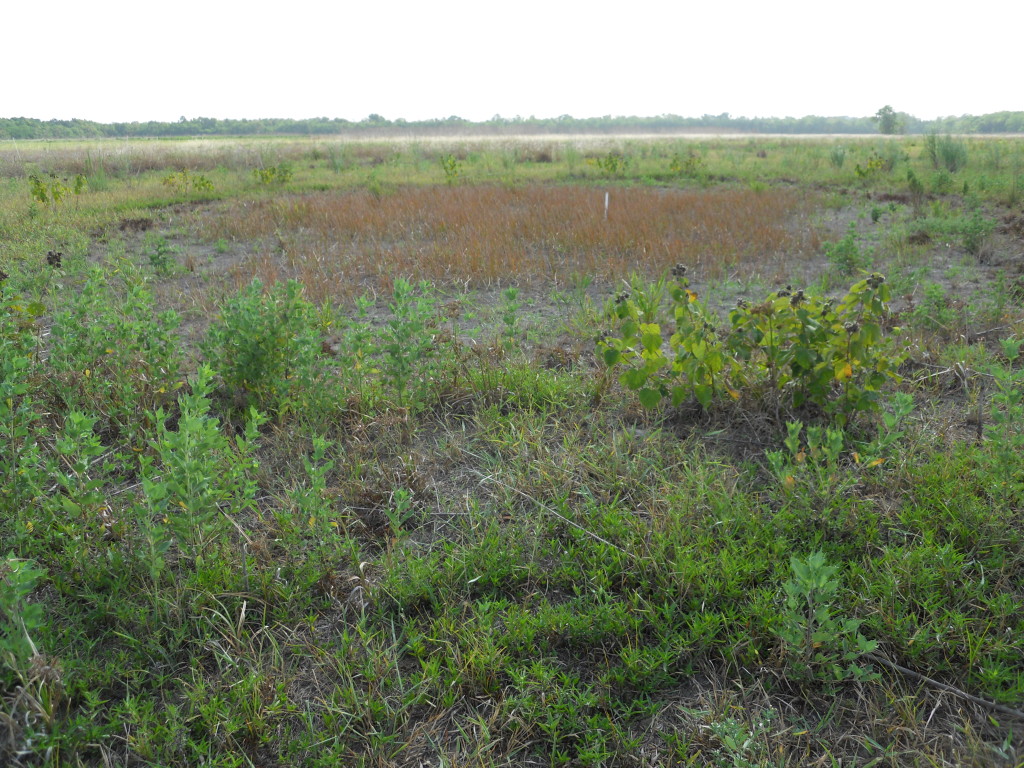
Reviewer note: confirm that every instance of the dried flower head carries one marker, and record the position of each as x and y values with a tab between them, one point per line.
45	669
453	309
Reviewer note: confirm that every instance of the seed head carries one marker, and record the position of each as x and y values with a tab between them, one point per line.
453	309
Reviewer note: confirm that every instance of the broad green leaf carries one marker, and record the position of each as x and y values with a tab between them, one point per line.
679	394
651	338
649	398
703	393
633	379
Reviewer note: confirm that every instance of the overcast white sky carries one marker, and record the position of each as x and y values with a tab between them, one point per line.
120	60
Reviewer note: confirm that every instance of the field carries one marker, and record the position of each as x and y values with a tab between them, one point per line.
583	452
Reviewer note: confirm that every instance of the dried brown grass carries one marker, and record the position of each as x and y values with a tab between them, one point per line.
486	235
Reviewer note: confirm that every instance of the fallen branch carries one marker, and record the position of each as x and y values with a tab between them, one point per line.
989	705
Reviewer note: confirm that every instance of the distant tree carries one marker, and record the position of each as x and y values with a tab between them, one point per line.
889	121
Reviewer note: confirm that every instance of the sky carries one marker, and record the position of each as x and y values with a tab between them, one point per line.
114	61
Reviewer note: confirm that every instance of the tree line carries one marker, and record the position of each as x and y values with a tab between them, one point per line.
378	126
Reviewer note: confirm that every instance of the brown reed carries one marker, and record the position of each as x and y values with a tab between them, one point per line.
487	235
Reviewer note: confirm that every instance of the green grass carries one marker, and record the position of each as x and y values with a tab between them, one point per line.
419	522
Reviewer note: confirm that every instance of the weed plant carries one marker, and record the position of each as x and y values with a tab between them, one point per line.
264	346
946	152
112	353
819	643
407	344
795	343
844	255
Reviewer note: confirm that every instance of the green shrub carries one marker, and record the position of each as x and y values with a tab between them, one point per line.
160	254
452	168
831	354
264	345
112	353
874	165
820	644
19	618
274	174
21	419
972	230
611	164
197	480
53	192
936	311
845	255
917	192
407	343
688	166
975	230
1005	429
946	152
185	182
891	154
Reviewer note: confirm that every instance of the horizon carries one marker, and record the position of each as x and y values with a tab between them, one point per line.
379	118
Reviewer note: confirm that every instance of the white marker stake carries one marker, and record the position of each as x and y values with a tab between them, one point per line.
606	206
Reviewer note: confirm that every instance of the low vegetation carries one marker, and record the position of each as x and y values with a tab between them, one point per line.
377	454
